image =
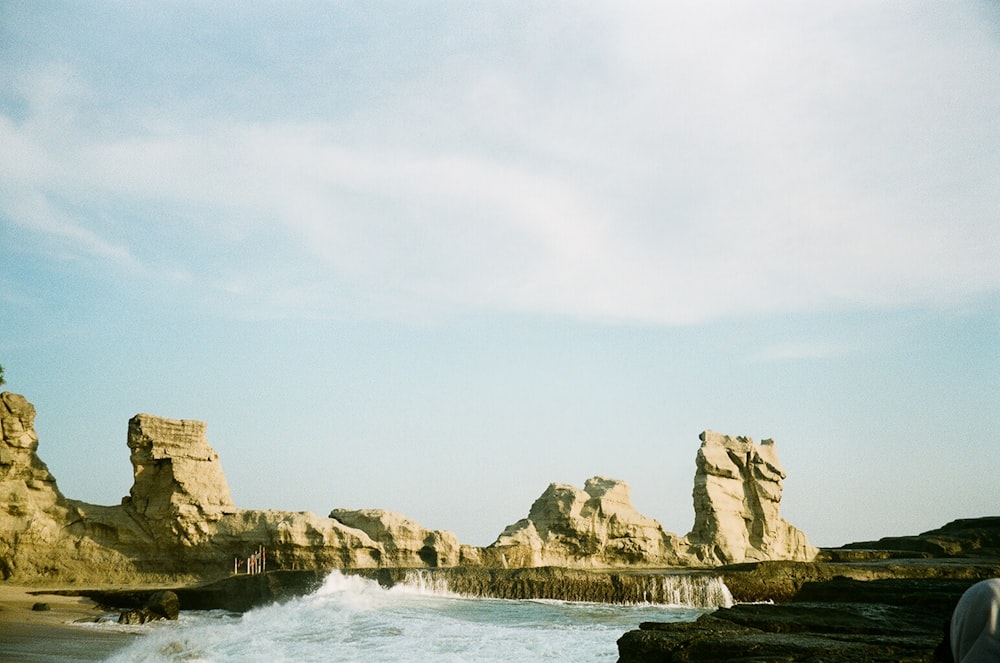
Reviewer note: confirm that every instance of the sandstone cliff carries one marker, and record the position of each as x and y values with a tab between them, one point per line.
593	527
737	493
179	519
33	507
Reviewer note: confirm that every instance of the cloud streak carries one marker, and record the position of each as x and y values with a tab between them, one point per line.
745	166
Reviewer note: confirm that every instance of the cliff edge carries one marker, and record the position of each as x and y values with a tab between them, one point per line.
179	519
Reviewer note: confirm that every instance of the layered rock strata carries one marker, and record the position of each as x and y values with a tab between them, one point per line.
179	518
33	508
737	495
880	620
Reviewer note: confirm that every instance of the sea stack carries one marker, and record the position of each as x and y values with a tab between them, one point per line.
737	493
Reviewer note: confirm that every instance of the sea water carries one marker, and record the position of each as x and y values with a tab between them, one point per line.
354	619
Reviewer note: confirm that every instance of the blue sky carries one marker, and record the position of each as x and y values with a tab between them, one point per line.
430	257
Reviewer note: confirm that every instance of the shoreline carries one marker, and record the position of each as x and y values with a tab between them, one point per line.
57	634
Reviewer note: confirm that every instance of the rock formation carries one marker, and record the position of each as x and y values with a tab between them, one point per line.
33	508
593	527
179	487
179	519
737	492
404	540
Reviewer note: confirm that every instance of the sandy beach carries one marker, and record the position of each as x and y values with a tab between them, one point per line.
34	636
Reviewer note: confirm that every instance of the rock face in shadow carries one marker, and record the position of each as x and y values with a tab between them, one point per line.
179	519
857	604
967	537
888	620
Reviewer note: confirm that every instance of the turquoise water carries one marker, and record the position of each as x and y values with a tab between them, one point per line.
354	619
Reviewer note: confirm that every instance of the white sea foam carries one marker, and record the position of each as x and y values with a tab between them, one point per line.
353	619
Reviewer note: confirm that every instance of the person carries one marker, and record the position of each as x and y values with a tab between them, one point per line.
975	624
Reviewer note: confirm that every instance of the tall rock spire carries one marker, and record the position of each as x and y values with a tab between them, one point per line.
737	493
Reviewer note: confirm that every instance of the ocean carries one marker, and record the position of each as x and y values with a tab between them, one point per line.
350	618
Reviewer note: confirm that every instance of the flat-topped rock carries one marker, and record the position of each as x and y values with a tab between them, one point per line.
178	482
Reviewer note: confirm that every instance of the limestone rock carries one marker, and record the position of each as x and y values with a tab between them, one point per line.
33	510
179	520
178	484
406	542
593	527
26	484
737	493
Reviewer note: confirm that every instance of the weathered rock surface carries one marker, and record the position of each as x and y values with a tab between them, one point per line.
404	540
179	519
737	493
34	511
593	527
28	489
179	487
807	633
243	592
836	620
967	537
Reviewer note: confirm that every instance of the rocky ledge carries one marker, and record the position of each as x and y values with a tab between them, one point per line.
880	601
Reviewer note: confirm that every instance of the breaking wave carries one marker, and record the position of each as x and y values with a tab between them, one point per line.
350	618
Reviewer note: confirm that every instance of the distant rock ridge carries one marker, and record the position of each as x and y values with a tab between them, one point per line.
179	519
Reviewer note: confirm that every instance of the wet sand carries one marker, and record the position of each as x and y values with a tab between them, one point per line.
31	636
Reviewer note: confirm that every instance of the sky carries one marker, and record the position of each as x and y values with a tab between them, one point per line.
433	256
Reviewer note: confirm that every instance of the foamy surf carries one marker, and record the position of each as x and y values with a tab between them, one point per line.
350	618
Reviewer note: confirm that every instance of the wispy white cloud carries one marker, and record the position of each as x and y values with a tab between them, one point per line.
710	163
799	350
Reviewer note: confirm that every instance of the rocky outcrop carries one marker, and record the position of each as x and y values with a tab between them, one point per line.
33	510
966	537
404	540
885	618
593	527
242	592
179	487
163	604
737	494
179	519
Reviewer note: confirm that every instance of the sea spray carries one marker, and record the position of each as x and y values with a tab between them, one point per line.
350	618
696	590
